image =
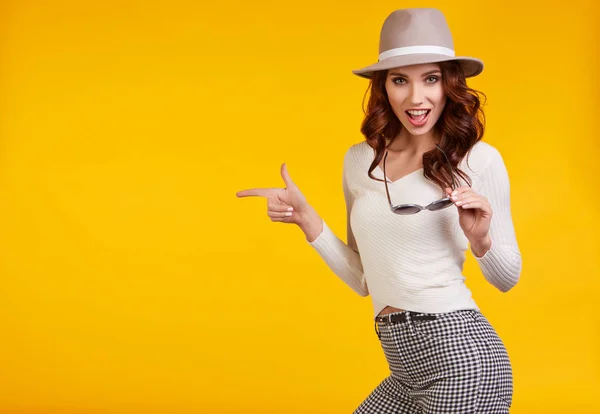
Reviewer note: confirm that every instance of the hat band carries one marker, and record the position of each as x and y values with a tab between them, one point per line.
416	50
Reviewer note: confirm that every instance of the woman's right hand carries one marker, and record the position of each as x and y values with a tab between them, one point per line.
286	205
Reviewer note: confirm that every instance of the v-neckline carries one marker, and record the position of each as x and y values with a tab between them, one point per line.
385	177
390	181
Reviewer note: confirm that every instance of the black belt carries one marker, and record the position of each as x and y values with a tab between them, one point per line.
401	317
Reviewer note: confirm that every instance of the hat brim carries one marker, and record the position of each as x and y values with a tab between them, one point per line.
471	66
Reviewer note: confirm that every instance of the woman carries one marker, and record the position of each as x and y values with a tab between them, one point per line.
419	190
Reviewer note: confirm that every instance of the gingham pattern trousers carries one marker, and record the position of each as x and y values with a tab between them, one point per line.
453	364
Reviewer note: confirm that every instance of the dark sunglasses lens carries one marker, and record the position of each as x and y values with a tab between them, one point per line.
440	204
404	210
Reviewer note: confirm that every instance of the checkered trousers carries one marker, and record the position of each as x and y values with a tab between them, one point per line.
455	363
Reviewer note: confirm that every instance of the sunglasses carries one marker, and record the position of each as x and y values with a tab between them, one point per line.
405	209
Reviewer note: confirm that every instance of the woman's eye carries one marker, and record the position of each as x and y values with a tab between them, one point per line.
432	79
399	81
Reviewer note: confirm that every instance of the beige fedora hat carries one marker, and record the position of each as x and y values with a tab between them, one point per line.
416	36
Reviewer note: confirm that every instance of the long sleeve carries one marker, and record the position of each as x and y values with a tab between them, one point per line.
343	259
501	265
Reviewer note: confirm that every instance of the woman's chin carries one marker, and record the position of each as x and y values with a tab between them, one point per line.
414	130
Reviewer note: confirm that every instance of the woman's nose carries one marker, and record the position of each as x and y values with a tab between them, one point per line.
416	94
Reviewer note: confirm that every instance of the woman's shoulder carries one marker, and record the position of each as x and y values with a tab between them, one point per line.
481	157
358	154
359	148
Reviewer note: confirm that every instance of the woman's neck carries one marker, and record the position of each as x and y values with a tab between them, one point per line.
412	144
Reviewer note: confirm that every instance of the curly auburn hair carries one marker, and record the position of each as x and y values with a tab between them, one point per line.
460	125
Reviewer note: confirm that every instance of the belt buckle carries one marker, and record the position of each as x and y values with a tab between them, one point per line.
387	319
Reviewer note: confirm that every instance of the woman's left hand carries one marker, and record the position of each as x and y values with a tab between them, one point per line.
475	214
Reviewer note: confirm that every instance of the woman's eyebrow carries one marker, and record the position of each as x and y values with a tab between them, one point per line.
431	72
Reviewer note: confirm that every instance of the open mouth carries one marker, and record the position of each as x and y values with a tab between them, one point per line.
418	117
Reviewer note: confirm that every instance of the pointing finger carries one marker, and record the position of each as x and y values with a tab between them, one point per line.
260	192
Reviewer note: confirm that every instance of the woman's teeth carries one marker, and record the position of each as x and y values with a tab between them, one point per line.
418	115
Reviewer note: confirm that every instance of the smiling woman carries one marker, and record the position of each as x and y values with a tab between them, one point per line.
423	90
419	100
424	116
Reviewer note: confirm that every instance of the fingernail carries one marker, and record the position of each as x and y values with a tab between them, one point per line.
457	203
291	209
465	206
454	192
288	214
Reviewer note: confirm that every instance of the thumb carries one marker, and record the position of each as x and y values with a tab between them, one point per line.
286	176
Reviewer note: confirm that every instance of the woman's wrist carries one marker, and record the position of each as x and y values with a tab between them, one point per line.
481	247
311	224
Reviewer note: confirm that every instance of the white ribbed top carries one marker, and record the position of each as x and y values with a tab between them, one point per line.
415	262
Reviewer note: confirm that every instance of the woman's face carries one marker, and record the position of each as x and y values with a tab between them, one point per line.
416	96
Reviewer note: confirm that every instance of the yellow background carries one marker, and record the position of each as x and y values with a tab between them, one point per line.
133	279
